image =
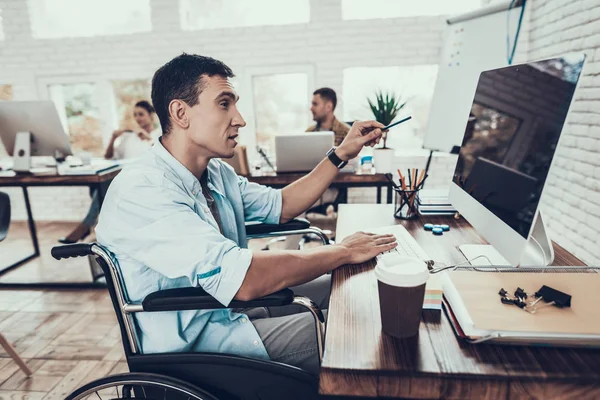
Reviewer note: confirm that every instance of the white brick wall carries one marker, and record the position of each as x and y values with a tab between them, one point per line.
571	199
552	27
327	43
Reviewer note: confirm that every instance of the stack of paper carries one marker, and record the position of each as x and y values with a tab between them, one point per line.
92	169
477	315
434	202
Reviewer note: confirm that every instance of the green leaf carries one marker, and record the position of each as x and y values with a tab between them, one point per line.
385	108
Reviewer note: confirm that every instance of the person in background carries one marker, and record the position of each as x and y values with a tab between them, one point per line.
143	112
124	144
322	108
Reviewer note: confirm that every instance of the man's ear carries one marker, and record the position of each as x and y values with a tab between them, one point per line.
178	113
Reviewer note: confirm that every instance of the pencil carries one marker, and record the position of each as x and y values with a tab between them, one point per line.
409	179
422	183
402	182
421	177
415	177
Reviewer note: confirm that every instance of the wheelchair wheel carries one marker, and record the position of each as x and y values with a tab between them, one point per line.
139	386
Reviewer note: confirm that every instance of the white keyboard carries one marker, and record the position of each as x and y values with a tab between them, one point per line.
407	245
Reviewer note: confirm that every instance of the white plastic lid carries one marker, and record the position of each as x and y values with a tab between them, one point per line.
406	272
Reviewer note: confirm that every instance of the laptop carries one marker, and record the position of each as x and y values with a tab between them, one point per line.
301	152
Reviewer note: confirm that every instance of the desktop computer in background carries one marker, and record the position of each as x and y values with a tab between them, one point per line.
506	155
32	128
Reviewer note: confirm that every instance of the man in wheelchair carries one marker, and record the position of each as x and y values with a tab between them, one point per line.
176	218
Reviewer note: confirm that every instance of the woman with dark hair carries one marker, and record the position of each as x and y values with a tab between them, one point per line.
124	143
143	112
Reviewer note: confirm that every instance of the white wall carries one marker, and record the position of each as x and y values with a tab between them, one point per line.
571	199
328	45
325	46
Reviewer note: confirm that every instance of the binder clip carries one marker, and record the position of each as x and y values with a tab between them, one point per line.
506	299
553	297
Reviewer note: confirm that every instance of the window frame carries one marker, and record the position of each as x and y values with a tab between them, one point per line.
246	90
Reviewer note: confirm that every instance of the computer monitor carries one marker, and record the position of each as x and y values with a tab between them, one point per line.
506	155
301	152
40	119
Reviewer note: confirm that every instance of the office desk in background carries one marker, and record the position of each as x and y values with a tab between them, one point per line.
99	181
361	361
342	181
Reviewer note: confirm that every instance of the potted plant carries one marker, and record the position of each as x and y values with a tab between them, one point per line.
385	109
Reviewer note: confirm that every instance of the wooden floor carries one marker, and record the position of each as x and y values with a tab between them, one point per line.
67	337
17	246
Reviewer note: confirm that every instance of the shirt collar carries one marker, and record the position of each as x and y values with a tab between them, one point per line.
334	124
189	180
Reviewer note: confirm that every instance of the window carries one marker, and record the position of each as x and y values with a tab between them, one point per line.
210	14
281	105
369	9
76	104
413	84
1	26
126	94
6	93
52	19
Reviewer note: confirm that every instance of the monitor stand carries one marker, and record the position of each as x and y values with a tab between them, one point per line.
538	252
22	152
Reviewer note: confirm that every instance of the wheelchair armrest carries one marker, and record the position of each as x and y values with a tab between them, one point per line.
72	250
294	225
195	298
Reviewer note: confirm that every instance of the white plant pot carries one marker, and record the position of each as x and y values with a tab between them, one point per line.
383	160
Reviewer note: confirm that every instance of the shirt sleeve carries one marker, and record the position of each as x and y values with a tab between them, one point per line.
261	203
159	228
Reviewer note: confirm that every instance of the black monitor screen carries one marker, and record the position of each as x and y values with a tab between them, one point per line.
516	119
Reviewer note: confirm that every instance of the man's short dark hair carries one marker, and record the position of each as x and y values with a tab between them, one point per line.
327	94
181	79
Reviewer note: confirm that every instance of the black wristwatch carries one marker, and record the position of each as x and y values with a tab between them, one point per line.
338	162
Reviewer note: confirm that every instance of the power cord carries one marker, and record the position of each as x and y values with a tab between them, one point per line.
511	53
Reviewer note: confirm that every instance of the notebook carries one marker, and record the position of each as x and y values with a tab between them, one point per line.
92	169
474	308
433	293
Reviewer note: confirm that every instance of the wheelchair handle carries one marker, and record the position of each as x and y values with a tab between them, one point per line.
72	250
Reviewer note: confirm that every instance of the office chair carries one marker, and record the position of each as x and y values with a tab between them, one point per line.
206	376
4	215
4	224
279	233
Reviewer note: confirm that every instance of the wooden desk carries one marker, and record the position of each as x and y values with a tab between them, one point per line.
360	360
99	181
343	180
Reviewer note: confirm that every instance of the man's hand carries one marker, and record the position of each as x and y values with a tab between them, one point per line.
366	133
363	246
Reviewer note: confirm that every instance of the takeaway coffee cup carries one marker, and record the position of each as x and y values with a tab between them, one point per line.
401	294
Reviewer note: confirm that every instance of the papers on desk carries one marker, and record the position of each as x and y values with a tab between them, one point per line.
94	168
434	202
473	306
7	173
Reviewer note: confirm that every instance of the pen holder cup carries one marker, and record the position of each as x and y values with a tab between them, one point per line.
405	204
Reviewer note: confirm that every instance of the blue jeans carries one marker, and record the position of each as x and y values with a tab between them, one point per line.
92	215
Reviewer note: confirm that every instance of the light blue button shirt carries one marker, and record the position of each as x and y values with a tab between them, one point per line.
156	222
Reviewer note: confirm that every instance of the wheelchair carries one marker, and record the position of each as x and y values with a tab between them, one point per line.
200	376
